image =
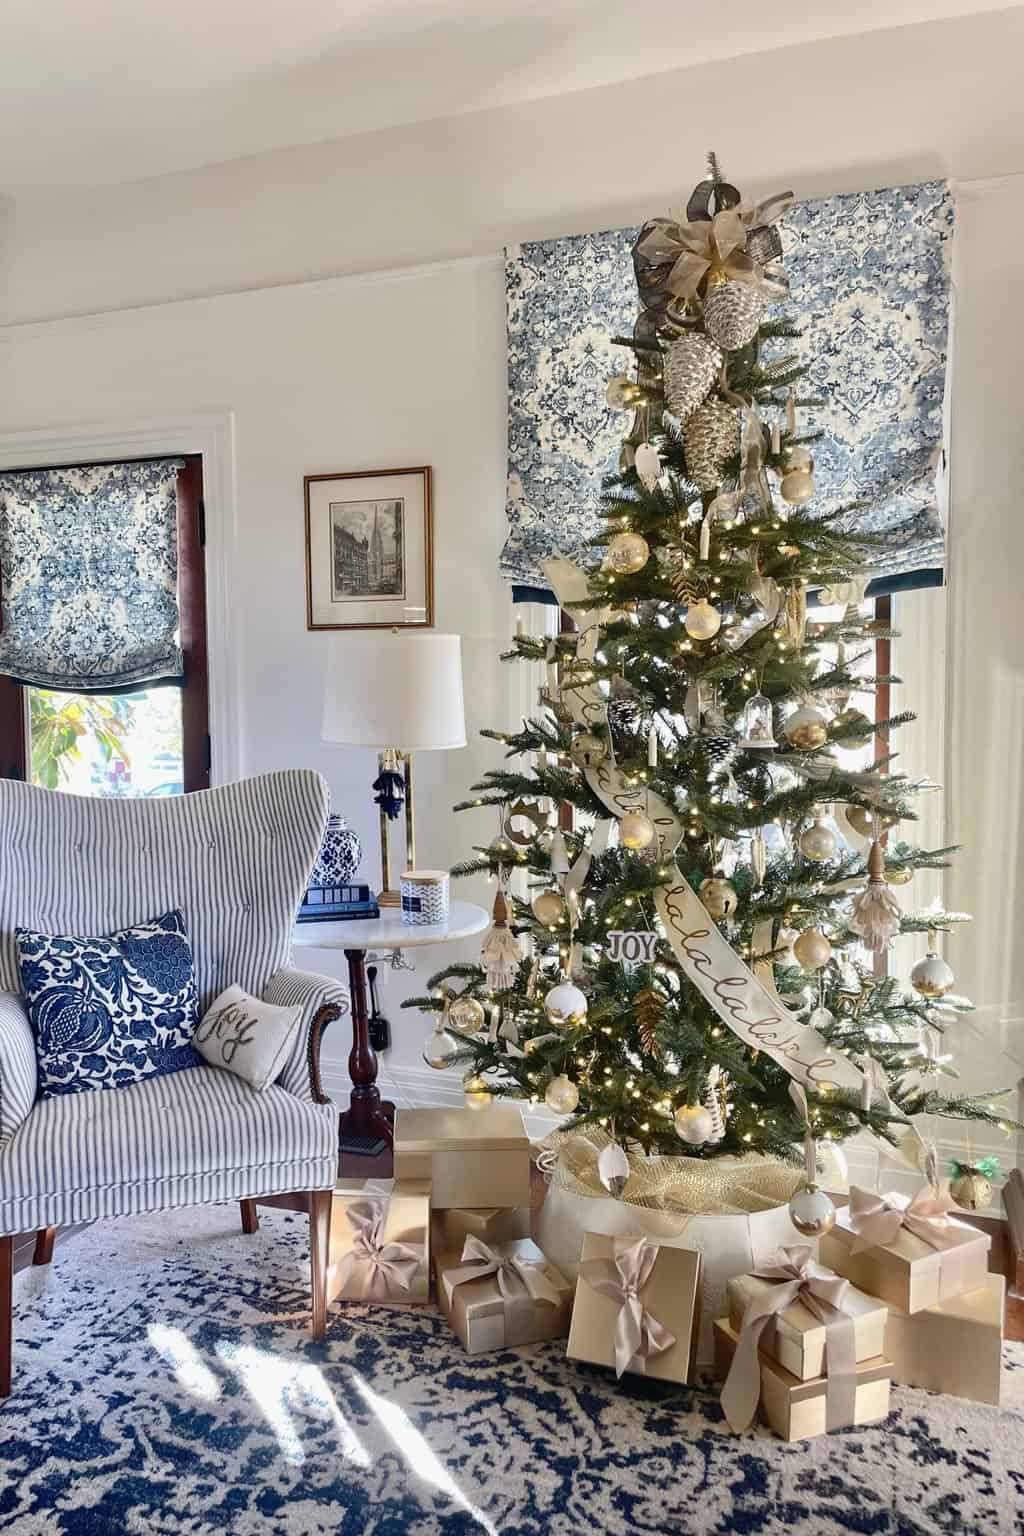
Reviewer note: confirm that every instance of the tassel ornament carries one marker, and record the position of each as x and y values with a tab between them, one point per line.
500	955
875	914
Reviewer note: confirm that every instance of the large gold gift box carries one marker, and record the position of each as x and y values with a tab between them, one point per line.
485	1319
795	1409
908	1272
796	1337
491	1224
671	1296
955	1347
352	1274
473	1158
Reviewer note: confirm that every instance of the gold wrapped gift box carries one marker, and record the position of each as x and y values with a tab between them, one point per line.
385	1261
796	1409
955	1347
472	1160
796	1337
671	1296
485	1318
492	1224
908	1272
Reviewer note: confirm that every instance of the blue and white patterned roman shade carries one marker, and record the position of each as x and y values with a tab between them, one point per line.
89	572
870	289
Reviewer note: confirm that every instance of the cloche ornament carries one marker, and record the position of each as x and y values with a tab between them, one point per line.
689	370
466	1015
719	897
548	908
636	831
627	553
588	750
703	620
818	842
475	1092
756	729
931	977
565	1005
811	1211
694	1124
439	1050
812	949
732	313
710	436
561	1095
806	728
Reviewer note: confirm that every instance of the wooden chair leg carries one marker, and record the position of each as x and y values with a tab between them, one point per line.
6	1312
43	1253
250	1218
319	1255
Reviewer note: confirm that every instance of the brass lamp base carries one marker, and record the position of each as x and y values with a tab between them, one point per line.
390	760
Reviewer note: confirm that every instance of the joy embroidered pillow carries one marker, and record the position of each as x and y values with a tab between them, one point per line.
110	1012
247	1036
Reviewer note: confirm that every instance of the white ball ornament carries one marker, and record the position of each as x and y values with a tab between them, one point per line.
636	831
439	1050
818	842
466	1016
812	949
561	1095
548	908
806	728
703	620
565	1005
931	977
811	1211
475	1092
694	1124
627	553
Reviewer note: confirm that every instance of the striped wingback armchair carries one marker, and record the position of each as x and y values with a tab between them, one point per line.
235	861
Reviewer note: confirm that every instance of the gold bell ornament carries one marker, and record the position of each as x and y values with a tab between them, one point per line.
806	728
719	896
875	913
627	553
588	750
970	1184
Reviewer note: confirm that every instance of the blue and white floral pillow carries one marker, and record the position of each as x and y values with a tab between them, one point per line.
110	1012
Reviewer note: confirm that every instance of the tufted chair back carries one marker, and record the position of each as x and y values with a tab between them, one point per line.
235	861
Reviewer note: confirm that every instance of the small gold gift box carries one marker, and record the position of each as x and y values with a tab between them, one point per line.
380	1245
954	1347
492	1224
796	1337
473	1158
500	1311
605	1321
796	1409
908	1272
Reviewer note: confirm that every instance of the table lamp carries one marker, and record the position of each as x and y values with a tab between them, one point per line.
399	692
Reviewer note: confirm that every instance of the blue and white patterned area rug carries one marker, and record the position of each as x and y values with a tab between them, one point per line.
166	1385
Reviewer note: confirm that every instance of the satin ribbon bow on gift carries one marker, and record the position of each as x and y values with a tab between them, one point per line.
521	1281
386	1265
877	1219
638	1333
796	1278
695	247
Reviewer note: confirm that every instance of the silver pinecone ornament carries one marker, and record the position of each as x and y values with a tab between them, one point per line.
710	436
690	368
732	313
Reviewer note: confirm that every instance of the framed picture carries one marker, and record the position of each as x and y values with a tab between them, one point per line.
369	550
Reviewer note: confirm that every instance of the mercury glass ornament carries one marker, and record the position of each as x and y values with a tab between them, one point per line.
710	436
561	1095
628	553
466	1016
818	842
636	831
732	313
931	977
689	369
565	1005
811	1211
719	897
756	726
588	750
806	728
812	950
475	1092
439	1050
703	620
548	908
694	1124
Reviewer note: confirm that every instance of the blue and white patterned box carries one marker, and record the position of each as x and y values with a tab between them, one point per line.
424	897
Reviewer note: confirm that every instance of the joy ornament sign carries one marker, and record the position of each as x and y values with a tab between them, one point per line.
632	947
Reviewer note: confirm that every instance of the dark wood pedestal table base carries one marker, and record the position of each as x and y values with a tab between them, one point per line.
370	1118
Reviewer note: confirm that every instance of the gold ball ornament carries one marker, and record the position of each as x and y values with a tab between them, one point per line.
719	897
806	728
475	1092
797	487
849	721
703	620
561	1095
636	831
548	908
694	1124
588	750
811	1211
812	950
818	842
899	876
466	1016
627	553
565	1005
863	821
622	394
970	1190
931	977
439	1050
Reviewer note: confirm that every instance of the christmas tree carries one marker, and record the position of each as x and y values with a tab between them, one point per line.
713	921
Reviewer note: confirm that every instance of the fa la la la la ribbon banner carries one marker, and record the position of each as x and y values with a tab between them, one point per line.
708	960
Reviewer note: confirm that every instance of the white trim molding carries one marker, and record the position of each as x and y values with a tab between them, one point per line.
211	434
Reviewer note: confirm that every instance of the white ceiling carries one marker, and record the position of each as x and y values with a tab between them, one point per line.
97	91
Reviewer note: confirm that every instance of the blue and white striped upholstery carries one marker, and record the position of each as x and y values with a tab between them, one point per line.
235	861
185	1139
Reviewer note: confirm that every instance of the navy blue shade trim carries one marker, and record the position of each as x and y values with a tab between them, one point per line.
106	693
521	594
904	581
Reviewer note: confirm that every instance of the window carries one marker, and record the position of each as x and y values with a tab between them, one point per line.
143	742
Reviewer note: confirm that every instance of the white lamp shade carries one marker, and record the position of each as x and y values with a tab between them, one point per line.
395	689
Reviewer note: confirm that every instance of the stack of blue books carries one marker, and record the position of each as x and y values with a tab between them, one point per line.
334	903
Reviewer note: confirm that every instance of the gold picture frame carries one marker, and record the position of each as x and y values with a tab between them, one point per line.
369	549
